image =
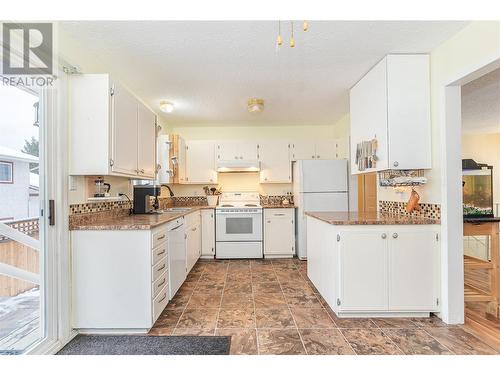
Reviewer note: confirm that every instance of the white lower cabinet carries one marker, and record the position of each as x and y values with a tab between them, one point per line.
378	270
120	278
279	232
363	271
193	239
208	233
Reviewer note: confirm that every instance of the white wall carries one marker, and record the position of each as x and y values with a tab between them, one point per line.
14	197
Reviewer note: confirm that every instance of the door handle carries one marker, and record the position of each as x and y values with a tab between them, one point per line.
52	213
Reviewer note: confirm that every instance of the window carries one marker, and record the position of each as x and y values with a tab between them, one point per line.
6	172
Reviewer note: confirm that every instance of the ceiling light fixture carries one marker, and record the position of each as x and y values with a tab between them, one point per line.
166	107
279	39
255	105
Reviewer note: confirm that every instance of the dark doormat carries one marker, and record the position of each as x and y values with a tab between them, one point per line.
147	345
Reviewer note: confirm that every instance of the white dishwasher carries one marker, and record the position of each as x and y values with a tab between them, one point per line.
176	255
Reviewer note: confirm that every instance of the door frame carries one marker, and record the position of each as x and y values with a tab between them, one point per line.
452	269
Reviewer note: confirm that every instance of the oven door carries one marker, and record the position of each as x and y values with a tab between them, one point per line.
233	226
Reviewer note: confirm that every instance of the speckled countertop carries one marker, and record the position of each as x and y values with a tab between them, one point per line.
134	222
369	218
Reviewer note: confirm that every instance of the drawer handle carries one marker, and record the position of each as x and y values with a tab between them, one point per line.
161	237
161	252
394	235
163	282
279	214
163	298
162	267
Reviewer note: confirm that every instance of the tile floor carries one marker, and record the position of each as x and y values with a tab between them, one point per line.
270	307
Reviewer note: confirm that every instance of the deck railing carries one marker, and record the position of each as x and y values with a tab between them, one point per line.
19	256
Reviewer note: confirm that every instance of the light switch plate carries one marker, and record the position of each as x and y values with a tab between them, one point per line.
72	183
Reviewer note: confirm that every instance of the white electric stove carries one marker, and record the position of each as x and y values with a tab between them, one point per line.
238	226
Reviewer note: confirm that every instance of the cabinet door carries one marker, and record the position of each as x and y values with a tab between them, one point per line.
275	164
363	271
124	144
303	150
181	160
409	114
279	232
368	108
207	233
325	149
193	245
237	150
413	270
200	162
146	139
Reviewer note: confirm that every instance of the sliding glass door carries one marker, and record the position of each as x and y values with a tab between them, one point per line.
22	228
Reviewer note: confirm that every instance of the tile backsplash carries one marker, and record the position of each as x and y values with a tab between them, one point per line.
428	210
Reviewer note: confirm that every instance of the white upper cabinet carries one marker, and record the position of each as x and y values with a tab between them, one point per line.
236	150
146	136
125	145
111	133
313	149
200	162
391	104
275	164
326	149
303	150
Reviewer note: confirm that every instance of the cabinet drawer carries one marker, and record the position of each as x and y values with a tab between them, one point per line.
160	302
159	252
160	283
158	269
279	212
159	237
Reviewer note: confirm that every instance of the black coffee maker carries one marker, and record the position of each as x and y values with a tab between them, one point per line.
146	198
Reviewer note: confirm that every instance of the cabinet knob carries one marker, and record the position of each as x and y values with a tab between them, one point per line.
236	157
384	236
395	163
318	157
394	235
313	157
241	157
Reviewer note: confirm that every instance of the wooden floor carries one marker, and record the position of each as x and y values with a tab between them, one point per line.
481	324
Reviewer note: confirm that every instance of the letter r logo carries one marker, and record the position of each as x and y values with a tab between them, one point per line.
33	41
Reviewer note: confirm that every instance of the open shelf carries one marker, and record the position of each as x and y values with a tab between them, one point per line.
475	295
475	263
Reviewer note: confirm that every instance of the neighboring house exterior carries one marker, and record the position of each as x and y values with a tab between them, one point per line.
16	190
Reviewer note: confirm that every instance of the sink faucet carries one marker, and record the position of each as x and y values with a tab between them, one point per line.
169	190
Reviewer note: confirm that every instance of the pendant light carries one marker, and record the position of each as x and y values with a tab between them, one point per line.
279	40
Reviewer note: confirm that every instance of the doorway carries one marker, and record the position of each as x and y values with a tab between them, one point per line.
367	192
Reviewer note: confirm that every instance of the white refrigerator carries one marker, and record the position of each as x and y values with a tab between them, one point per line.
318	185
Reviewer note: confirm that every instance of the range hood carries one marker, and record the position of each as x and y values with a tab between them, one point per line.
238	166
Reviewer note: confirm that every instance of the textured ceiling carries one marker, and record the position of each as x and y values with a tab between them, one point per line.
209	69
481	104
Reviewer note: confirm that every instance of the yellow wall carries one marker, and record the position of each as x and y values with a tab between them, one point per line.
250	181
472	46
